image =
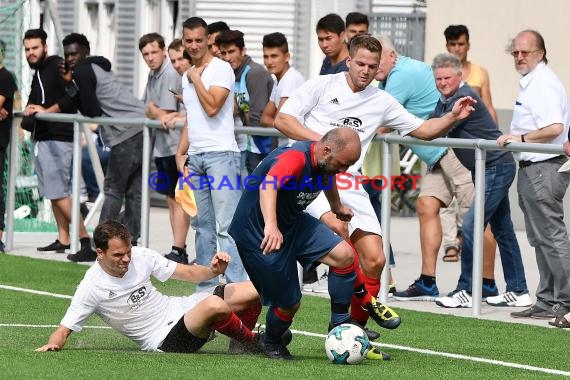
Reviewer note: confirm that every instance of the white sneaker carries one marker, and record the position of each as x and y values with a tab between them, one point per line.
510	299
322	285
458	299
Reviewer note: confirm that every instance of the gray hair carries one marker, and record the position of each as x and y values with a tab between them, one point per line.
386	43
446	60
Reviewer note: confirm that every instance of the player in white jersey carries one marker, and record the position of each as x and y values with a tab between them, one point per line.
118	289
347	100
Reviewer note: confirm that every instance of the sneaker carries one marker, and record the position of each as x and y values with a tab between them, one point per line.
459	298
85	254
310	277
55	246
534	312
322	285
382	314
392	290
489	291
180	257
418	292
374	353
511	299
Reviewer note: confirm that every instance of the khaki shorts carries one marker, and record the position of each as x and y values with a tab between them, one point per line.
447	179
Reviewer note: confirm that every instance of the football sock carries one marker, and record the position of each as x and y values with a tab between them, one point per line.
341	290
249	316
233	327
358	304
276	323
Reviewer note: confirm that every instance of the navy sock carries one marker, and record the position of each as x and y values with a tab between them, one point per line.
275	325
341	289
489	282
428	281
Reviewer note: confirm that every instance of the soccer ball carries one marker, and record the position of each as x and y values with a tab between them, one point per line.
347	344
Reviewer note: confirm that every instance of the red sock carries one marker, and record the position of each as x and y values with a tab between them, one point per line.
233	327
249	316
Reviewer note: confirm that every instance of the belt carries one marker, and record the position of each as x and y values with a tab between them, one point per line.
524	164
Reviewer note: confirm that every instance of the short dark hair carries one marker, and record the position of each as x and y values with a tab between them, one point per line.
150	38
276	40
176	44
356	18
364	41
231	37
331	23
36	33
453	32
76	38
195	22
218	26
108	230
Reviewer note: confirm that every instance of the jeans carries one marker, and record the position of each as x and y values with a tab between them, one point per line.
87	171
498	179
216	206
123	180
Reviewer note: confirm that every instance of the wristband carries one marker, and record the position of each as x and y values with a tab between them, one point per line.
522	138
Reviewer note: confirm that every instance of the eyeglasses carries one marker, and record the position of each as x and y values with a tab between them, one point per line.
524	53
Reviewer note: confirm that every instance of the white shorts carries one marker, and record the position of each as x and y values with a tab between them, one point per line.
357	200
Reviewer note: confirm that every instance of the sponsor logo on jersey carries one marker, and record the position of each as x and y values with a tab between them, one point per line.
137	297
348	122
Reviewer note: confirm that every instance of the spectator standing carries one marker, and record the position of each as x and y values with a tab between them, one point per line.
160	102
331	37
96	91
500	171
208	148
252	89
214	30
541	116
355	23
53	140
8	90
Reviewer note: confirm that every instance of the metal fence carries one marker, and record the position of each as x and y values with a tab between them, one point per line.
480	146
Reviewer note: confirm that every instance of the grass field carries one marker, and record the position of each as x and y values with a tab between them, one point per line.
425	346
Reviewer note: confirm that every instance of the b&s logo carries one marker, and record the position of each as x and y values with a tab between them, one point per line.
136	297
348	122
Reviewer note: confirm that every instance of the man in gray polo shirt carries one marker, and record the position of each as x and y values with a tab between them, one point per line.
161	102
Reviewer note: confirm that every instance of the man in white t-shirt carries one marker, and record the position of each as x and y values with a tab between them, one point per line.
118	289
346	100
276	58
208	152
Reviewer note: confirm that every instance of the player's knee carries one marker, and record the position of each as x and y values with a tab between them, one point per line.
216	306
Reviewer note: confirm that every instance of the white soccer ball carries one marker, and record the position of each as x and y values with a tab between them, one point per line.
347	344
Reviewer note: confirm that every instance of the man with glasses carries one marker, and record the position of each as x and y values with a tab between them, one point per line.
541	116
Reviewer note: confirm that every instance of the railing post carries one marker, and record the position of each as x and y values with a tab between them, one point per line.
145	195
386	212
13	160
75	188
478	230
96	163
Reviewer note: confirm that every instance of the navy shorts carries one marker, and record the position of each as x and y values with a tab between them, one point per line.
167	166
275	275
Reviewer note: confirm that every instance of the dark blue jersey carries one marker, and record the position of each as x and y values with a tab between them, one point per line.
294	169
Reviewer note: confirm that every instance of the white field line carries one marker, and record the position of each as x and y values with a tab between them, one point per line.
306	333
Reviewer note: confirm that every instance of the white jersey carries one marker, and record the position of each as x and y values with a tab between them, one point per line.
216	133
131	304
289	83
327	102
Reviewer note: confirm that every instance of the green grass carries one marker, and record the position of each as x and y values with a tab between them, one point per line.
103	353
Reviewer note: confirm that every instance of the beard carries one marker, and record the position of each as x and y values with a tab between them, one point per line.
39	62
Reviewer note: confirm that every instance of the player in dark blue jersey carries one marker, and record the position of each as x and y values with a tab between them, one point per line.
272	232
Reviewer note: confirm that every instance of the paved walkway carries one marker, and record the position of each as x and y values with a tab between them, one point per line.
405	241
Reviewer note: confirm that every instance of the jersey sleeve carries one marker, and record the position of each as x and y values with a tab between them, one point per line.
305	98
288	166
83	305
224	75
398	118
162	268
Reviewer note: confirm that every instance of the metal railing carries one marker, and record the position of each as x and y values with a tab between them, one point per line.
480	146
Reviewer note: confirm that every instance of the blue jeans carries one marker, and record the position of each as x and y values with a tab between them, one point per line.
216	206
498	179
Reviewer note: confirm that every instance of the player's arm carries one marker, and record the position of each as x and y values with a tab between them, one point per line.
290	127
200	273
437	127
211	99
56	340
268	115
341	211
272	238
